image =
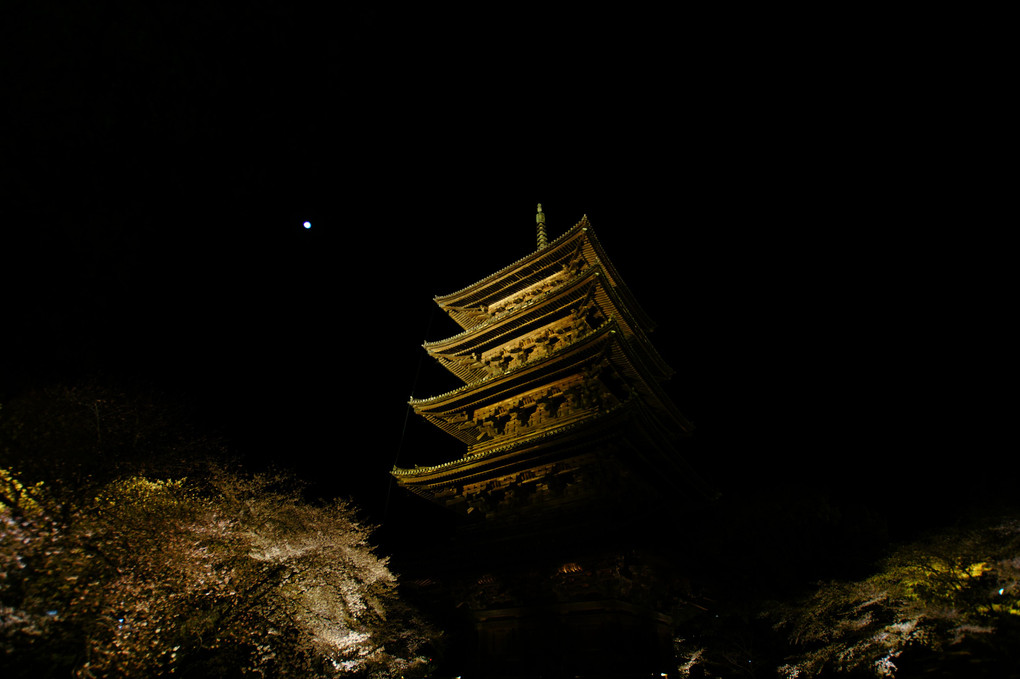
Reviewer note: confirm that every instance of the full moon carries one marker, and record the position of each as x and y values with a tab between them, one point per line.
308	225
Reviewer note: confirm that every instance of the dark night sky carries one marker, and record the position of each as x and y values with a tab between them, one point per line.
774	199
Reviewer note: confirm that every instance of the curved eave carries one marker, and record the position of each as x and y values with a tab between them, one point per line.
462	306
438	409
496	280
629	300
481	464
569	356
434	473
611	302
526	312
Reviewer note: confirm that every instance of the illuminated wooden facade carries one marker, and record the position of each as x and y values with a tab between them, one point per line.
554	355
568	437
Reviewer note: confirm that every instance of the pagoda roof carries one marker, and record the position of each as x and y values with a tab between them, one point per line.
605	342
533	314
554	444
537	367
511	448
470	306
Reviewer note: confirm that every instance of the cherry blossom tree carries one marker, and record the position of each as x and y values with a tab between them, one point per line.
233	576
127	550
944	606
948	604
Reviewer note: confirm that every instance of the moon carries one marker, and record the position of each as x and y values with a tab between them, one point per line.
307	225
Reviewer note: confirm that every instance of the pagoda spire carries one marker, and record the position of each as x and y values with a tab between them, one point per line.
540	220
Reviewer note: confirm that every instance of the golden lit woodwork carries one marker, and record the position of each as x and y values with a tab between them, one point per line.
556	366
563	455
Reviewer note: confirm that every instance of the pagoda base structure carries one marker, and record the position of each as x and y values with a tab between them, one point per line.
594	638
589	591
562	561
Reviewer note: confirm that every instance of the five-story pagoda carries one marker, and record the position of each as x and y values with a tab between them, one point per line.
571	452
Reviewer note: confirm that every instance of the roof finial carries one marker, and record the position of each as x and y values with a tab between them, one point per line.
540	220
